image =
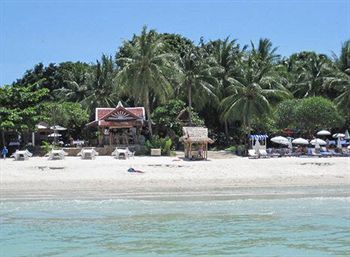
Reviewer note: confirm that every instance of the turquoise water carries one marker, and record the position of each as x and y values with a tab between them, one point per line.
258	227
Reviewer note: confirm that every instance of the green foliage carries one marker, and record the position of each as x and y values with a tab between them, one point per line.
308	115
47	147
19	106
165	116
234	88
145	70
157	142
66	114
285	113
316	113
232	148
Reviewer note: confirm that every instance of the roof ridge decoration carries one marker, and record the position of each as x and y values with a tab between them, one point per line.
120	113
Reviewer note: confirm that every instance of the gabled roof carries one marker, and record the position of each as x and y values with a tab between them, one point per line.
195	135
120	116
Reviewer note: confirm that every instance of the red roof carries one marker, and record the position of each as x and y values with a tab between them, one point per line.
103	112
120	115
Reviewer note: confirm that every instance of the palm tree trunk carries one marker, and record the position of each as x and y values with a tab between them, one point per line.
148	111
226	127
3	137
190	103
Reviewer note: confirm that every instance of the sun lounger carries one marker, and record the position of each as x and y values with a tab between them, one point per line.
21	155
311	152
122	153
263	153
57	154
88	153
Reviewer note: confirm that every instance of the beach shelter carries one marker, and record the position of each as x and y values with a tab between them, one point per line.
318	141
262	138
300	141
323	133
280	140
196	137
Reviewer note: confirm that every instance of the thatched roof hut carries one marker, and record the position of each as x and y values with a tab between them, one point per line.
196	142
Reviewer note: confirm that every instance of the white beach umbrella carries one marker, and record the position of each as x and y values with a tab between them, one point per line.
347	134
280	140
257	146
39	126
318	141
54	135
57	127
323	133
338	135
300	141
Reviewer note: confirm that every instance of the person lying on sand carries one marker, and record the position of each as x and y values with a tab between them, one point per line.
133	170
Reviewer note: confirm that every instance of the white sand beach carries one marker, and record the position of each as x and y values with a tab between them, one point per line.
108	177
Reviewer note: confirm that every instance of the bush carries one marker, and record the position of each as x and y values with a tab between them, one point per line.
157	142
46	147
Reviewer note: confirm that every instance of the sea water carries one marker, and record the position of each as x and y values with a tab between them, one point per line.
243	227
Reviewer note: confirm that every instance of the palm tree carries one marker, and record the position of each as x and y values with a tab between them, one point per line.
199	77
101	85
340	78
227	54
309	71
75	78
145	69
253	90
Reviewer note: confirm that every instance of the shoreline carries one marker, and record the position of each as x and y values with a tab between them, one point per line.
169	178
241	193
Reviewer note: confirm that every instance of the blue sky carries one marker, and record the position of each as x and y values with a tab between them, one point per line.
57	31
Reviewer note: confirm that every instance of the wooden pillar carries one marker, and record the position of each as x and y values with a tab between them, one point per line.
190	153
110	137
206	151
100	136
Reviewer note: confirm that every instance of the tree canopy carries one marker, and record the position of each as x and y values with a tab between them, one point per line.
232	88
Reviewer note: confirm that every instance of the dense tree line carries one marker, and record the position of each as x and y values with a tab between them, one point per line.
235	90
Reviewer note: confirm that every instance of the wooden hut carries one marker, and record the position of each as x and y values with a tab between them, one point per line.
120	125
196	140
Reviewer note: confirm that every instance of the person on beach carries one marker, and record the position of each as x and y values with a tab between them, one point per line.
4	152
133	170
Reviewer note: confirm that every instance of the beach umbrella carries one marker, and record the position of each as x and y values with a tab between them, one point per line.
57	127
337	135
54	135
280	140
39	126
257	146
300	141
318	141
323	133
347	134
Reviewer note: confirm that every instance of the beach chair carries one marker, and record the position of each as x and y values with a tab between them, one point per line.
57	154
87	153
312	153
21	155
122	153
252	154
263	153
